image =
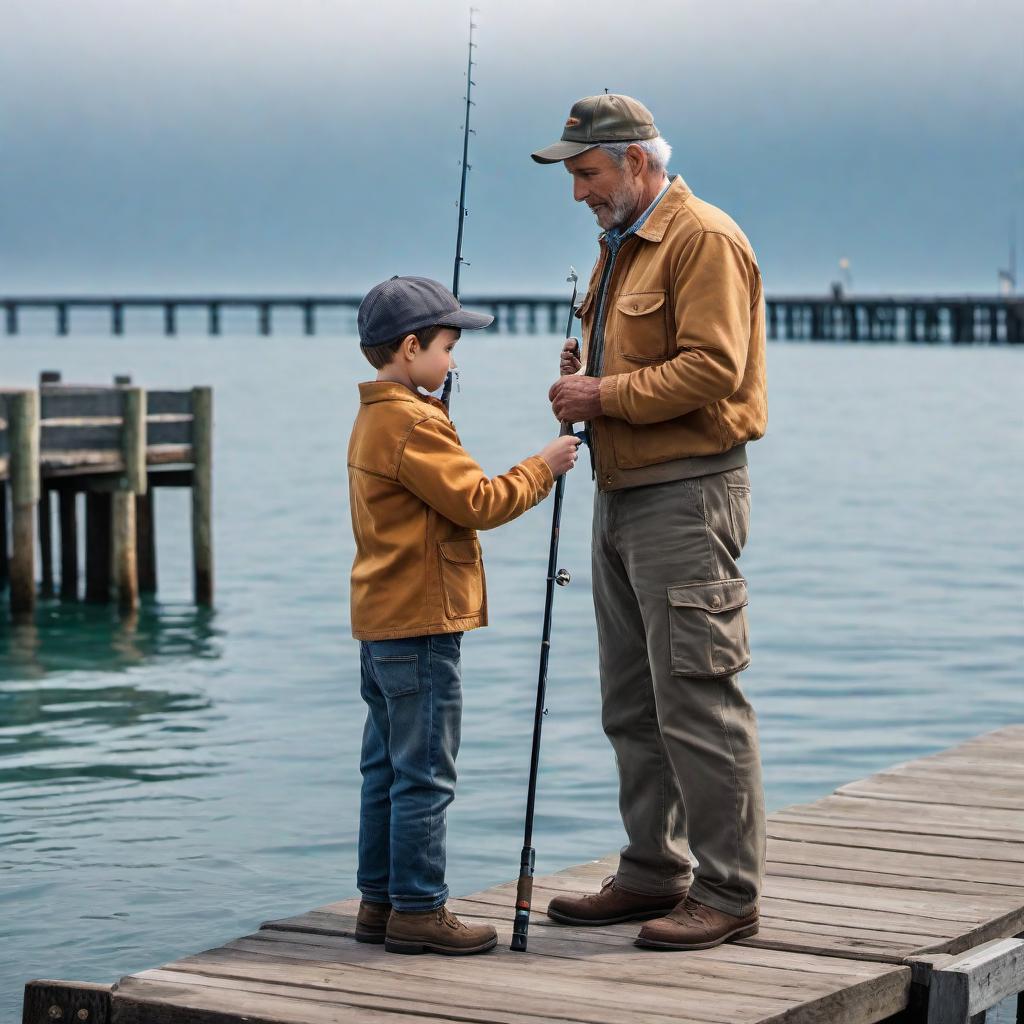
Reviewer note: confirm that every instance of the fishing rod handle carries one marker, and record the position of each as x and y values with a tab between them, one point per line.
524	895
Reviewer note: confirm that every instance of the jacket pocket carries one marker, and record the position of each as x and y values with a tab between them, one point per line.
708	627
462	577
641	333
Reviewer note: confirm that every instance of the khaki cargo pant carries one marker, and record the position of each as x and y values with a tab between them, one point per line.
672	636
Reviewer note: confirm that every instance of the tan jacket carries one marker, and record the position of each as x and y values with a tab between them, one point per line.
684	344
417	500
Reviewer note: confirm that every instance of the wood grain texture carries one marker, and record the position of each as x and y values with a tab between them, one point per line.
862	894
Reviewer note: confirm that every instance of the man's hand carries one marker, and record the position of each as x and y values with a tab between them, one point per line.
570	361
576	398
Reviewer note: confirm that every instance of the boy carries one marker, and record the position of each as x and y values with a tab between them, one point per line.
417	499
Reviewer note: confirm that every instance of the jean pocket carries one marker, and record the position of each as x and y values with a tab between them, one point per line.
462	577
398	675
708	627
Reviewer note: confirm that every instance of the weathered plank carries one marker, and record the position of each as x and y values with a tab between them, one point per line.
970	984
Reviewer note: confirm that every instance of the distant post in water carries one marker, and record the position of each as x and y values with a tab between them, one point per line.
24	469
133	482
68	544
202	494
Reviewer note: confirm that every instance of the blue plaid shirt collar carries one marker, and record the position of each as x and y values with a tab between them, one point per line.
614	238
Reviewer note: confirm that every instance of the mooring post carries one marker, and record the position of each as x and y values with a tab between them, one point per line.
202	494
23	413
170	318
264	318
117	318
309	318
62	318
97	547
11	311
68	544
133	482
214	318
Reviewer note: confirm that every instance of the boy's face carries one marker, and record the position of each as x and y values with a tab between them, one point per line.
430	365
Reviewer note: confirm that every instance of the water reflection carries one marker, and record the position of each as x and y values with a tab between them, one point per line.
68	637
72	716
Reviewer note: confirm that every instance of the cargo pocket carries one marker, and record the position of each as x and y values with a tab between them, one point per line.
708	627
398	675
462	578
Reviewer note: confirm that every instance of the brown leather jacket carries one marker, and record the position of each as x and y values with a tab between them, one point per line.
684	345
417	500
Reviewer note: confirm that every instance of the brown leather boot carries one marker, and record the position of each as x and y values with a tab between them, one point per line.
611	905
693	925
372	921
436	931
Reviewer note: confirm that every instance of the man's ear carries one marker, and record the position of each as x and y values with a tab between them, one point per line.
637	159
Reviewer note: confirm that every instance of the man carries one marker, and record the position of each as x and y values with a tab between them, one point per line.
674	388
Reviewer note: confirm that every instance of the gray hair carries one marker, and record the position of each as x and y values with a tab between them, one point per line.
658	151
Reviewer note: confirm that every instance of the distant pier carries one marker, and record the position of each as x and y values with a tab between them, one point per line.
952	319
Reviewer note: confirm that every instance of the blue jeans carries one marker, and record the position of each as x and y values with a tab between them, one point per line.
413	692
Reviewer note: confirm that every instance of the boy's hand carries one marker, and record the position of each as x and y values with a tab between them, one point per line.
570	361
561	454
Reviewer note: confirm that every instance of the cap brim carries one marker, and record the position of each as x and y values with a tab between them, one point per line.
561	151
466	320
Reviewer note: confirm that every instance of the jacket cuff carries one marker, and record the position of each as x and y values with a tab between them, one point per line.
540	473
611	404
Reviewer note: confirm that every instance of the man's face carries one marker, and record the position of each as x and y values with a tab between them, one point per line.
609	190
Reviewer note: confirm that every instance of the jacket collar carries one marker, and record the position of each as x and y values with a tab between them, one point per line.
372	391
653	229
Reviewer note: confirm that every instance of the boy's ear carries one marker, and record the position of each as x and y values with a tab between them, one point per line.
410	346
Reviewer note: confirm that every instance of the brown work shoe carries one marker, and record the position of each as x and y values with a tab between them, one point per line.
436	931
372	921
612	905
693	925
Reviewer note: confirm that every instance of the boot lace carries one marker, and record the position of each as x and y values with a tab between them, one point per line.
448	919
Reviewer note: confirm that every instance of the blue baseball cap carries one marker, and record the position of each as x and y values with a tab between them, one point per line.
402	305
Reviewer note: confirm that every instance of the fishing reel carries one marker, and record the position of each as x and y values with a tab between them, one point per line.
563	578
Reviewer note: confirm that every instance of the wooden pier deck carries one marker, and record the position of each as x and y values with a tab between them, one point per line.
873	897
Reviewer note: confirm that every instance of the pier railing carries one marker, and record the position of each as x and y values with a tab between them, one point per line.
950	319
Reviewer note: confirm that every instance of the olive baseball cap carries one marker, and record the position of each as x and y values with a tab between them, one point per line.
402	305
609	117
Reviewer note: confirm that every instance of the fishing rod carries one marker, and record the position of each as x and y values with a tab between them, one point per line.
524	890
446	393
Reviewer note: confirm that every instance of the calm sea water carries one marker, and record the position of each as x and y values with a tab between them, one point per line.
166	787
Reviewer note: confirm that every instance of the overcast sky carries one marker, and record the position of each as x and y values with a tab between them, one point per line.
313	145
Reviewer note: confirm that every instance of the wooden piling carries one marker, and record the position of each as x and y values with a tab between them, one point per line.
97	547
62	318
202	500
5	567
23	412
45	516
214	318
145	541
265	318
170	318
68	544
132	483
11	315
309	318
117	318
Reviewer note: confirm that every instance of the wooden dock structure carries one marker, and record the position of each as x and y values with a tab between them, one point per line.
950	319
897	898
113	444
